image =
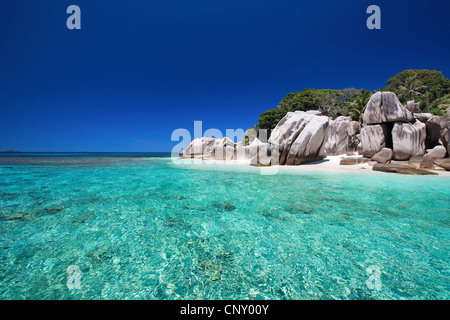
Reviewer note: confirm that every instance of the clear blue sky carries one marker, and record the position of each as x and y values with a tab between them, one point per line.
137	70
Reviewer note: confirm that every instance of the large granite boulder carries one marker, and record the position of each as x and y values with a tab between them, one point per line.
342	136
351	161
298	138
224	149
242	153
373	139
436	128
423	117
384	156
437	152
287	131
446	138
415	161
427	162
385	107
199	148
398	168
259	154
309	146
444	163
413	106
408	140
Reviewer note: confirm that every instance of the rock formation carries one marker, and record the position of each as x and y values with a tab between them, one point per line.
444	163
259	155
287	131
390	132
406	131
423	117
408	140
385	107
342	136
300	137
310	143
413	107
201	147
437	152
384	156
224	149
397	168
427	162
373	139
436	127
351	161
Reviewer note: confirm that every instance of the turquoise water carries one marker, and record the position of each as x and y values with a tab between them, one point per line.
144	228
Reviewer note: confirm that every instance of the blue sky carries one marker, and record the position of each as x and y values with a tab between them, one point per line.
137	70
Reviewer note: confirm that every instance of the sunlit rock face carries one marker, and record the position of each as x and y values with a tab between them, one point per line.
385	107
342	136
373	139
408	140
300	137
201	147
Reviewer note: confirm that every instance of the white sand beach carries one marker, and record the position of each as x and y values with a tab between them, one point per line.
329	164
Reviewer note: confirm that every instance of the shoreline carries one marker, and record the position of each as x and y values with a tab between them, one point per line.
329	164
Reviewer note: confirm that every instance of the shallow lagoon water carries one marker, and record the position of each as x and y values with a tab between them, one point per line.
145	228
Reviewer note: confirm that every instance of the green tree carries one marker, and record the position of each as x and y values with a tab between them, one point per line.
356	104
269	119
428	87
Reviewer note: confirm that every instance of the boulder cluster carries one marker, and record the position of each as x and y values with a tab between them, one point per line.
390	131
393	132
300	137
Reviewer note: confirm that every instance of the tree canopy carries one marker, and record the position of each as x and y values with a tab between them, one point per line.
429	87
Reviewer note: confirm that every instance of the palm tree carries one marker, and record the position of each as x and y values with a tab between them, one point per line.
411	88
359	106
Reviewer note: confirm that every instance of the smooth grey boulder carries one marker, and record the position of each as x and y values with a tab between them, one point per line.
351	161
309	146
427	162
373	139
287	131
423	117
408	140
342	136
437	152
415	161
413	106
398	168
384	156
242	153
200	147
446	138
444	163
224	149
385	107
436	127
258	153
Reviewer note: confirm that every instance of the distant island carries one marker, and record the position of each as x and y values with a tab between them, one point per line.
9	151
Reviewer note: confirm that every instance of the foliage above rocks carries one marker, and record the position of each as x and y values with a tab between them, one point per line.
428	87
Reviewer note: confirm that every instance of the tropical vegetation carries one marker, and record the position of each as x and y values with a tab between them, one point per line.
428	87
